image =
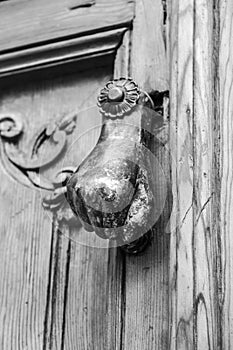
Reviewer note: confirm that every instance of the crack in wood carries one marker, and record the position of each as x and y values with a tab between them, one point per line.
123	301
164	4
46	318
55	281
185	215
53	290
203	207
76	4
68	253
164	33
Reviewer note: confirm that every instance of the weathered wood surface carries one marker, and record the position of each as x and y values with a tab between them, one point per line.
54	291
201	134
25	251
58	294
37	22
181	247
204	306
224	205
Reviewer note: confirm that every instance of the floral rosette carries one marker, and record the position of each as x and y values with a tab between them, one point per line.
118	97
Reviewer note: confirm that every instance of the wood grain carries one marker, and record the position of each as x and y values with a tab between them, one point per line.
25	247
145	322
205	307
44	21
196	281
181	141
24	267
93	308
224	221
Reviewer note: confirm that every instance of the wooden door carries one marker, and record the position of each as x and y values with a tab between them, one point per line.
57	290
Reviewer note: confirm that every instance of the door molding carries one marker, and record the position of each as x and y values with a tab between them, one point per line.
61	52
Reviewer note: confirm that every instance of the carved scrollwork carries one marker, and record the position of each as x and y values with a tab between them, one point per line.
11	126
54	133
56	201
52	136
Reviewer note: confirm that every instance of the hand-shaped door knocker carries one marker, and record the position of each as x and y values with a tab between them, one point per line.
113	191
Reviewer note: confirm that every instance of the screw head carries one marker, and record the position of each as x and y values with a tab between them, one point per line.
116	94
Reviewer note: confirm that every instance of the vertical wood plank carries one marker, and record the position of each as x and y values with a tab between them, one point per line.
225	225
145	323
93	310
24	268
181	136
204	243
148	60
195	276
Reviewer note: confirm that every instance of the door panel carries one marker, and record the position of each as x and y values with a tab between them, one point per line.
53	286
60	292
25	254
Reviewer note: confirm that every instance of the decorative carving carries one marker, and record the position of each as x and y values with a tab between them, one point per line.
57	200
11	126
112	191
54	200
53	132
30	163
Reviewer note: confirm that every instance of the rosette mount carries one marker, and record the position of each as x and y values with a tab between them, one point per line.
118	97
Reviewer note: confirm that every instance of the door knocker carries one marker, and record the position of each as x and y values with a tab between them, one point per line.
113	190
